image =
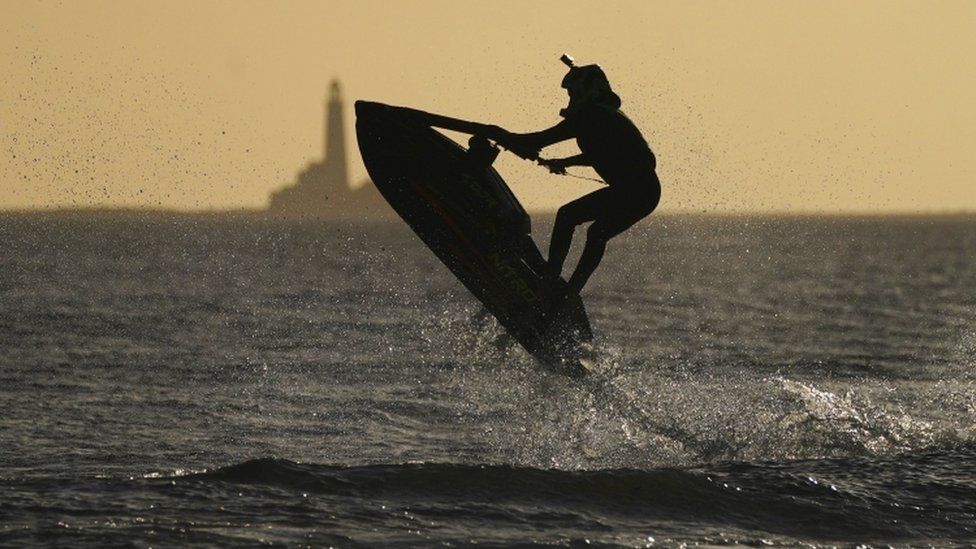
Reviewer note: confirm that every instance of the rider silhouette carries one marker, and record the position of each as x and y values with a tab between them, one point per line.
614	147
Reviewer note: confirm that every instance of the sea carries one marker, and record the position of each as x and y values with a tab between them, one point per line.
171	380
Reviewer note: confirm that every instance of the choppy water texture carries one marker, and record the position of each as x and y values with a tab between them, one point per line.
180	380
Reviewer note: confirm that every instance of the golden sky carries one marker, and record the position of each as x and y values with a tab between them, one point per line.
750	106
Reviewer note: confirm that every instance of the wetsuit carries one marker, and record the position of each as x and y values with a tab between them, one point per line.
618	152
615	148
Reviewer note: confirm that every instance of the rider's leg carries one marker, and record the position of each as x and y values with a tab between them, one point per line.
596	244
620	213
581	210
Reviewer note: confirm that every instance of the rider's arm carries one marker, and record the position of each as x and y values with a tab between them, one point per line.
559	165
527	145
577	160
562	131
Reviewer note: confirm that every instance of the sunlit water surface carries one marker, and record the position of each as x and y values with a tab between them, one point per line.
180	380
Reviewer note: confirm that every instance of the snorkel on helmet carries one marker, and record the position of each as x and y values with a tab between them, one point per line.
586	85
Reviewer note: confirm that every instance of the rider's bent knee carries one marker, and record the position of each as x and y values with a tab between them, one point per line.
568	215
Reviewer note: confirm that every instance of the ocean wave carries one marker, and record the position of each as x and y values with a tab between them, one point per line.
921	496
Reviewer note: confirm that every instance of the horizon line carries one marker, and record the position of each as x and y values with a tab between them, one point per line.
345	216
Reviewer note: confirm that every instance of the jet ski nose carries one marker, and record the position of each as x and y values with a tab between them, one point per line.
374	117
369	109
364	107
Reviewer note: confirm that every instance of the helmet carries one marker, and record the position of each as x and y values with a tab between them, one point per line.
587	85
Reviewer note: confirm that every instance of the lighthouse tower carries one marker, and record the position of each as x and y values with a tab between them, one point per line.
336	167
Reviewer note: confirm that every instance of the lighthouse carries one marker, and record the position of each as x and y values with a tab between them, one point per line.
322	189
